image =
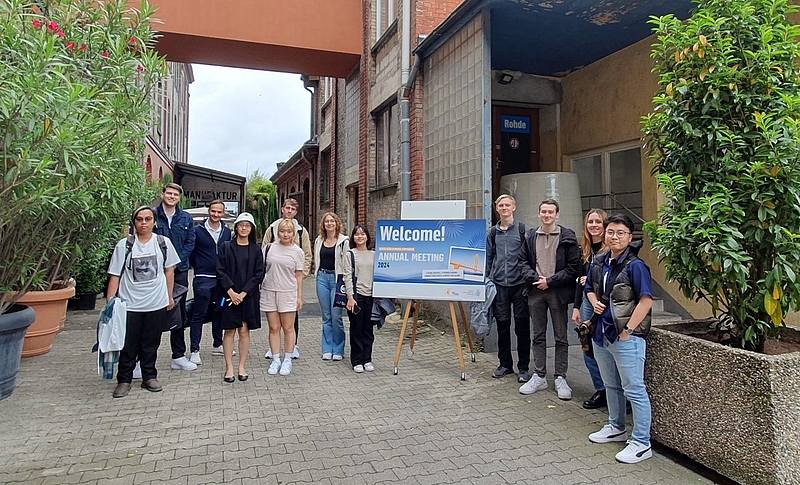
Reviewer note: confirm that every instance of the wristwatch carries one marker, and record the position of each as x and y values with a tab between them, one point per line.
628	330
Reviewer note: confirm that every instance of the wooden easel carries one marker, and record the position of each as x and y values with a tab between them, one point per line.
456	333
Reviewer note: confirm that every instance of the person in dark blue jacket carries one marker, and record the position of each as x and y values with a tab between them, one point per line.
177	225
208	236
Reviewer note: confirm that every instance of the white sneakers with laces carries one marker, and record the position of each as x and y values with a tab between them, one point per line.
286	367
563	389
358	369
369	367
535	383
608	434
195	358
327	356
634	452
182	363
274	367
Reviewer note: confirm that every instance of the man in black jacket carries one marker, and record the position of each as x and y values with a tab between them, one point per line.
550	261
208	235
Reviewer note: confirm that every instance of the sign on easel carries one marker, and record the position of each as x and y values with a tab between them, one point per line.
430	259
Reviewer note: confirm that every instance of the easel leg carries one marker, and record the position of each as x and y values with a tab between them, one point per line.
410	352
457	335
465	323
402	335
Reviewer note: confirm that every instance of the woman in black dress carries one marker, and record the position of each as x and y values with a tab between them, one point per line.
240	269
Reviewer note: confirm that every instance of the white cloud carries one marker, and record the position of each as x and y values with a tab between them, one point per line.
241	120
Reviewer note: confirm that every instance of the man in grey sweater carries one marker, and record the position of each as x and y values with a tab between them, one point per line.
503	245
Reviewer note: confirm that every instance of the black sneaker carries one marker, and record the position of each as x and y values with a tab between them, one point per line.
502	371
523	376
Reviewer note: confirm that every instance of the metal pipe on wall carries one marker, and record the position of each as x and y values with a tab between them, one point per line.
405	111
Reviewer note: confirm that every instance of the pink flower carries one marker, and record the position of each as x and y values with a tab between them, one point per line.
36	23
104	54
60	33
132	40
139	68
82	47
70	45
52	25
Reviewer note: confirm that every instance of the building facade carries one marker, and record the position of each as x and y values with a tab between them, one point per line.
167	142
433	110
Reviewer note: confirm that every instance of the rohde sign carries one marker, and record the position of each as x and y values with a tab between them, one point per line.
515	124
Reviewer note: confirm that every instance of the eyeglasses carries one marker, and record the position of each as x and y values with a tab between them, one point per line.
143	219
619	234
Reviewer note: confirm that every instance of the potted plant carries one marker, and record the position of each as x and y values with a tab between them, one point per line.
89	271
724	140
76	80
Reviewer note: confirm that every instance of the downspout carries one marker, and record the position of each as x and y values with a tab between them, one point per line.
405	121
313	113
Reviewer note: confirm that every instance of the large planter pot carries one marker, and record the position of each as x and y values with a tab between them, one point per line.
82	301
732	410
13	325
51	313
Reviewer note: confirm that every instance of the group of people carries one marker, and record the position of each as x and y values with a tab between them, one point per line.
534	271
540	271
235	279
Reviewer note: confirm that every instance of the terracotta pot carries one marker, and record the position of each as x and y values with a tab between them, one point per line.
51	313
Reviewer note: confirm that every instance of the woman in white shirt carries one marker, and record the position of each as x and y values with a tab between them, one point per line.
359	299
282	294
330	256
144	274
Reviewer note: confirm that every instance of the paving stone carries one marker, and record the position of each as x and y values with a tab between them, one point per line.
323	424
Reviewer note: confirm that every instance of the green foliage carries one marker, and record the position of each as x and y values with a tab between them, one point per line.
261	200
74	108
723	140
90	266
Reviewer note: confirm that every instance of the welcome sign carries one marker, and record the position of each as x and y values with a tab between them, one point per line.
430	259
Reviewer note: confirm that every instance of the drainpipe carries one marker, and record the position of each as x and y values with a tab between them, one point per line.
313	113
405	121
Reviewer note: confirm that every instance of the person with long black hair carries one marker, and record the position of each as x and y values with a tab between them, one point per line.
359	299
240	269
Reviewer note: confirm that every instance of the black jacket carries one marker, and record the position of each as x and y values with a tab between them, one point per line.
568	261
204	255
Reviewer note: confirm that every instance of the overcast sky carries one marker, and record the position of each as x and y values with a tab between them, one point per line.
242	120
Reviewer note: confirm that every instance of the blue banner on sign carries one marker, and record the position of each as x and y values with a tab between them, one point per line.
515	124
430	259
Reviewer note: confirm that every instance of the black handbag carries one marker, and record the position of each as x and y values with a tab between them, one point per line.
174	318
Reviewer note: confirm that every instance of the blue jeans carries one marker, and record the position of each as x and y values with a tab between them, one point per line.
591	364
332	325
622	366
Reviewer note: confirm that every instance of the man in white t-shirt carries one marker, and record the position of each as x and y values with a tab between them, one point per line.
142	272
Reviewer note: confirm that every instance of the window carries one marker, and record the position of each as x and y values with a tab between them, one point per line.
327	89
324	176
611	180
387	146
385	13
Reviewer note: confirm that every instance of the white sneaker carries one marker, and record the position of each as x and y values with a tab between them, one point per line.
295	353
286	367
219	351
274	367
358	369
563	389
337	357
195	358
369	367
268	355
327	356
634	452
182	363
137	371
608	434
536	383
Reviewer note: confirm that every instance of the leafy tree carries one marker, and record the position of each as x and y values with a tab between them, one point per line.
723	140
74	108
261	199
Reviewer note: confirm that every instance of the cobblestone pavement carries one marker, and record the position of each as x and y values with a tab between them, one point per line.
321	424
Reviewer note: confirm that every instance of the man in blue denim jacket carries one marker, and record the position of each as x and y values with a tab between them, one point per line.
178	226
